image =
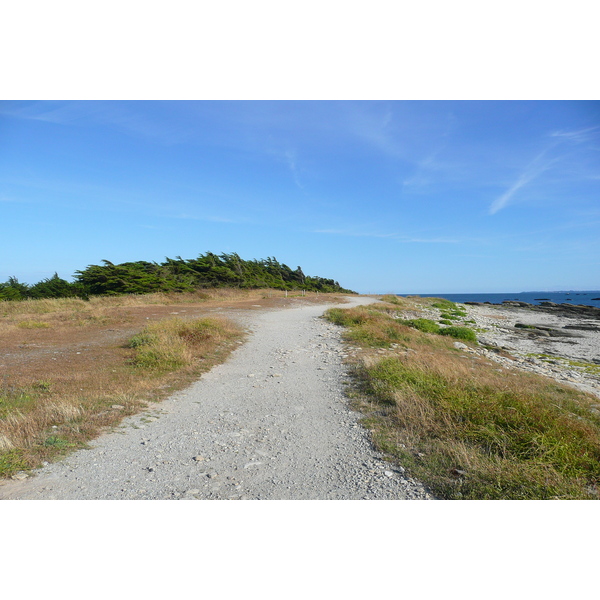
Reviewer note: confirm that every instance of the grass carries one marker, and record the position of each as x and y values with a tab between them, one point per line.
46	418
176	343
466	430
459	333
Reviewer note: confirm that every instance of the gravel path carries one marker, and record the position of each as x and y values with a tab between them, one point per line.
270	423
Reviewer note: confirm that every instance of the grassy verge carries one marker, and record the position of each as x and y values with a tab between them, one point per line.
462	426
45	419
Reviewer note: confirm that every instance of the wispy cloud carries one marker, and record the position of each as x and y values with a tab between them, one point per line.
542	162
354	233
532	171
577	136
395	236
209	218
119	115
292	163
422	174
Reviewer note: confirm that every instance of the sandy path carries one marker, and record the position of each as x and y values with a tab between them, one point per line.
270	423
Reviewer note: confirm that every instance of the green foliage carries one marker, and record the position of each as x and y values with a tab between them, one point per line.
448	317
521	446
444	304
425	325
369	326
174	275
460	333
12	461
392	299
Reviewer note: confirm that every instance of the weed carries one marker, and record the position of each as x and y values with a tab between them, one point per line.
33	325
460	333
425	325
448	316
174	343
391	299
58	442
443	304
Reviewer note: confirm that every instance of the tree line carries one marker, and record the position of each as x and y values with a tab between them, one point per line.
173	275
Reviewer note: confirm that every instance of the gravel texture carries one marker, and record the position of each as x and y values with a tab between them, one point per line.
272	422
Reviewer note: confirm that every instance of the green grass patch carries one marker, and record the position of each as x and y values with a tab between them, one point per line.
460	333
443	304
33	325
171	344
425	325
503	444
391	299
448	317
11	462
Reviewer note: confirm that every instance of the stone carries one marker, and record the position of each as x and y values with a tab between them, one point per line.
20	475
198	458
460	346
118	406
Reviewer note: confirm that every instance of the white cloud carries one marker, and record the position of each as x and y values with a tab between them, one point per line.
576	136
395	236
291	160
532	171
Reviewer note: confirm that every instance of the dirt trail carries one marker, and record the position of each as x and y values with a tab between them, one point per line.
270	423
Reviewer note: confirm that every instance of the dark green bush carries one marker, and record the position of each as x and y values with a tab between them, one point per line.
426	325
460	333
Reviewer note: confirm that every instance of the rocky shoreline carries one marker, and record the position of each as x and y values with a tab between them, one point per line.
560	341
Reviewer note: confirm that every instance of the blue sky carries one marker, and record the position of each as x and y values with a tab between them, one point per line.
383	196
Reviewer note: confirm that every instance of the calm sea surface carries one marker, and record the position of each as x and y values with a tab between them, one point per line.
586	298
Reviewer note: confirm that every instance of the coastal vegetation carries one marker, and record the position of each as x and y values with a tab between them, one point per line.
171	276
459	423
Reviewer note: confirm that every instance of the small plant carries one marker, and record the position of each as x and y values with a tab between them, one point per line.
391	299
448	317
33	325
444	304
55	441
460	333
425	325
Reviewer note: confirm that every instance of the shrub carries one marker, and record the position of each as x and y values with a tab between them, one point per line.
460	333
425	325
448	317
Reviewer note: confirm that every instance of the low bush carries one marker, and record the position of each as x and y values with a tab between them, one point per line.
425	325
448	317
460	333
174	343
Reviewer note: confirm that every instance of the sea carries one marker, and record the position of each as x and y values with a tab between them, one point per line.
587	298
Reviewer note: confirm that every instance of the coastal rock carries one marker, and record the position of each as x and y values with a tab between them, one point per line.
517	303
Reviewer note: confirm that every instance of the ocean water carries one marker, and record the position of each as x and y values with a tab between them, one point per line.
571	297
